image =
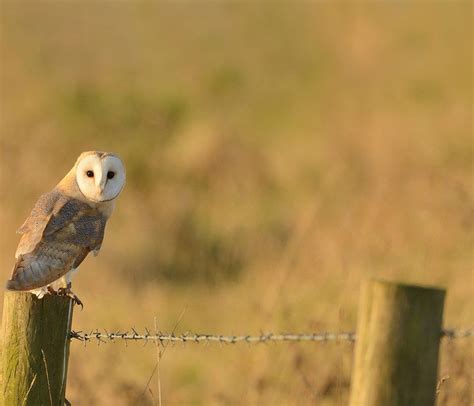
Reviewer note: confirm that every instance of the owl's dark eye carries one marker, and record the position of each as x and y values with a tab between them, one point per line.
110	174
90	174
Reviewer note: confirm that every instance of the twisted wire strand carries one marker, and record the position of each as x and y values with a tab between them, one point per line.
458	333
103	336
133	335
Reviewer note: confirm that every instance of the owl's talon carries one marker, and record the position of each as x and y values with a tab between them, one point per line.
67	292
77	301
52	292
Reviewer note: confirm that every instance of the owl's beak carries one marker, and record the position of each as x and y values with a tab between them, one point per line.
101	183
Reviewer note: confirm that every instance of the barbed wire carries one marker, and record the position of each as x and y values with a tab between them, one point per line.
104	336
132	335
460	333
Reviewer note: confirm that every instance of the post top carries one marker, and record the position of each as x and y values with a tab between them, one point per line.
404	285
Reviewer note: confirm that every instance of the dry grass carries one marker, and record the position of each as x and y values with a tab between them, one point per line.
277	156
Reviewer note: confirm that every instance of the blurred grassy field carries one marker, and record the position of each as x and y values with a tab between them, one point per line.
277	156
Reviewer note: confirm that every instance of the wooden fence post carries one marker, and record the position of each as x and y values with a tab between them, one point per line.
396	355
34	342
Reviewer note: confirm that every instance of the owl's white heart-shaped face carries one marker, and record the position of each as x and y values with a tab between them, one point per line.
100	176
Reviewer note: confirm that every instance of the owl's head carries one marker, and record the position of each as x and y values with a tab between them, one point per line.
100	175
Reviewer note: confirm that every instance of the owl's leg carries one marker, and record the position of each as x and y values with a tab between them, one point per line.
40	292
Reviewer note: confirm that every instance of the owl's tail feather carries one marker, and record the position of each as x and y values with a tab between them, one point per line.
31	274
12	285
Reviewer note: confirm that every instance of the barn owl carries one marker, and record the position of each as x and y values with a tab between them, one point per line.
66	224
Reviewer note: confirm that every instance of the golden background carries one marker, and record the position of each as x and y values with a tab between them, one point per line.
277	155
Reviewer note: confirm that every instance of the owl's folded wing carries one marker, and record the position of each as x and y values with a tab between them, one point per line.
38	222
40	214
57	236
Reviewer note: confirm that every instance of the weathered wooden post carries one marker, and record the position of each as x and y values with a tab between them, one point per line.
398	334
34	349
